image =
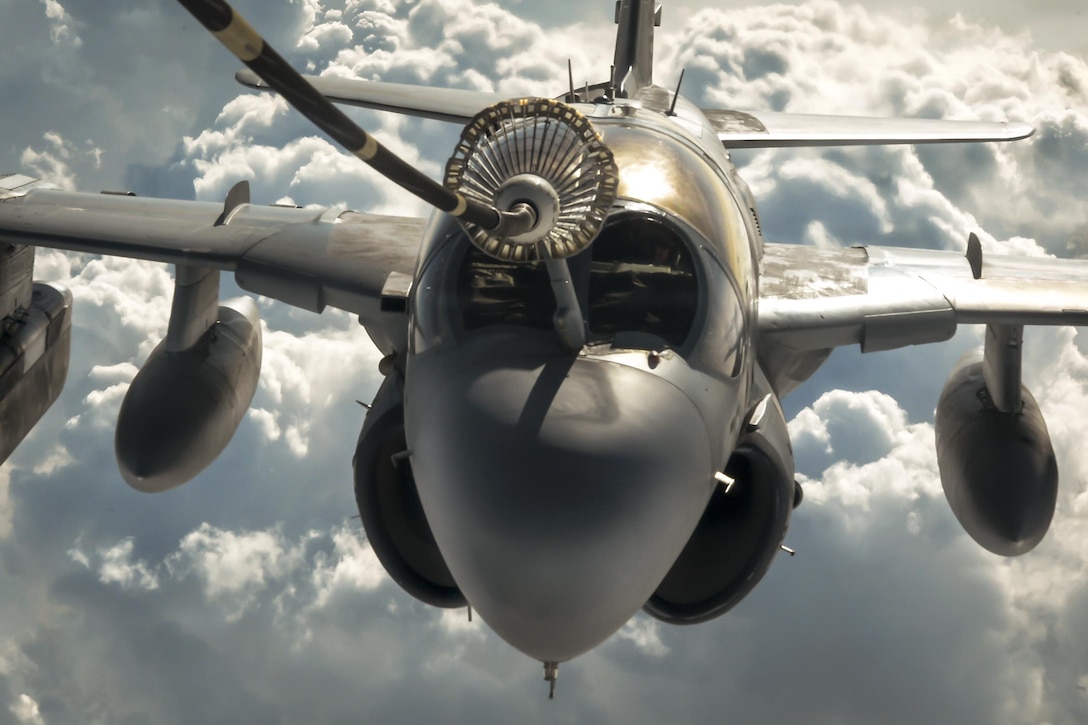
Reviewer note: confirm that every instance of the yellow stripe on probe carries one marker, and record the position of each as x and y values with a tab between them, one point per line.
241	39
369	149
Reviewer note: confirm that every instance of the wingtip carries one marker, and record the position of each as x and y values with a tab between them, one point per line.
248	78
1019	131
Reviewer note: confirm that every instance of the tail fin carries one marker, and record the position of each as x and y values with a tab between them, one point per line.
634	57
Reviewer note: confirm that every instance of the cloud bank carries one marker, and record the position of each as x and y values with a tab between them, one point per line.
251	594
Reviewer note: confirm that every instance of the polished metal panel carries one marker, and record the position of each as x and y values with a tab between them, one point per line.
667	173
340	259
797	271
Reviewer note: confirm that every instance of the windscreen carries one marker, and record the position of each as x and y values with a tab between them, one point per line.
642	280
637	281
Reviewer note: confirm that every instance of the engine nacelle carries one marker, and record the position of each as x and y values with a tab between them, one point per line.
997	469
35	342
389	505
183	407
741	530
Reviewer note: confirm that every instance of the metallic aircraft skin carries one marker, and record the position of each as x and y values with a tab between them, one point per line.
558	490
507	429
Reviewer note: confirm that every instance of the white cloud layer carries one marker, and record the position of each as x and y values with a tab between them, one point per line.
60	24
249	595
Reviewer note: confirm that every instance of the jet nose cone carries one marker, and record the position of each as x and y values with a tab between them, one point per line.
560	494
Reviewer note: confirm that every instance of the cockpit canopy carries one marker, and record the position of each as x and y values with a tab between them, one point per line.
637	285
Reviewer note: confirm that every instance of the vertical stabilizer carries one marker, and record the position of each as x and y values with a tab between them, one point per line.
634	45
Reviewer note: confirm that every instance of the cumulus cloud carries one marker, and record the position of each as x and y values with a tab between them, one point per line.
234	568
300	373
60	23
645	634
55	162
820	57
859	453
847	427
241	570
26	711
117	567
251	595
461	44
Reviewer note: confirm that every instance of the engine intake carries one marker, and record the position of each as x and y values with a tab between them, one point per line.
741	530
390	509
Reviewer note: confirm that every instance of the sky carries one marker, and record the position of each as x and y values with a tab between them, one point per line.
251	594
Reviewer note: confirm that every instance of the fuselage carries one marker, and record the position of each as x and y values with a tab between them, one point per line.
562	486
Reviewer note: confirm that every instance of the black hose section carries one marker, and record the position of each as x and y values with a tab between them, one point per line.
482	215
401	173
311	104
216	15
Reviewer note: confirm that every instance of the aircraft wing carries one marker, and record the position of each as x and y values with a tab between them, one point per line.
887	297
767	129
735	129
442	104
309	258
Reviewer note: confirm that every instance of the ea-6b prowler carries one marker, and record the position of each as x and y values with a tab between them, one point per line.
585	346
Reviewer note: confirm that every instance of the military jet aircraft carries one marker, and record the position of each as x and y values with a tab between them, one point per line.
585	346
